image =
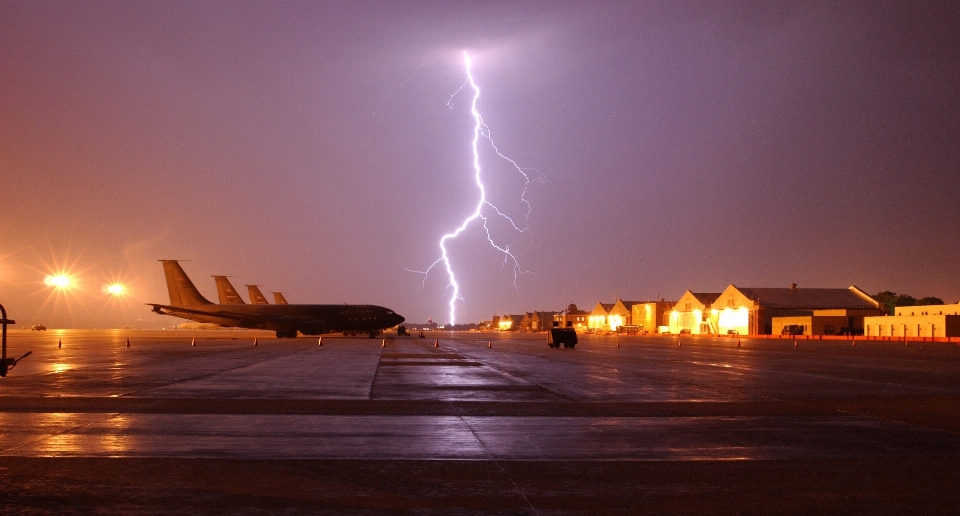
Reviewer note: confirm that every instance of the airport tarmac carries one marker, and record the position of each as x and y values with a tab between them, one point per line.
480	423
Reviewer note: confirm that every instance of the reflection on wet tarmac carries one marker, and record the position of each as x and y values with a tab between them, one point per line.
444	437
518	400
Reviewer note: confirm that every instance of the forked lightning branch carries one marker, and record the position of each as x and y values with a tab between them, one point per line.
484	208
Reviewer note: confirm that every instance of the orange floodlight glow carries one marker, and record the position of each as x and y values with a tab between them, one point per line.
616	321
60	281
115	289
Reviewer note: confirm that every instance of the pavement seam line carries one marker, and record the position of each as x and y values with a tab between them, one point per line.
810	405
802	404
867	416
212	373
655	376
5	451
505	373
495	461
772	398
376	372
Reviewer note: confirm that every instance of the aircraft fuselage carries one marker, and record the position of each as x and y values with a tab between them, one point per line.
307	319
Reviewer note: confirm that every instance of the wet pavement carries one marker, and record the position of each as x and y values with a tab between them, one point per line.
478	423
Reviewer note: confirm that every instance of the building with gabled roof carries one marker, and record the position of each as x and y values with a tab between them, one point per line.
693	313
621	314
611	316
572	317
597	319
510	322
536	321
748	310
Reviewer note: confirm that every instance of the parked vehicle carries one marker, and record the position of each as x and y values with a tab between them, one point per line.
565	336
792	329
38	327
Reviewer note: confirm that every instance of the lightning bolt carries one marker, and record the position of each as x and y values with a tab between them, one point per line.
481	130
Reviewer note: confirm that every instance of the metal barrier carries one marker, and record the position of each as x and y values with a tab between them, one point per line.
5	363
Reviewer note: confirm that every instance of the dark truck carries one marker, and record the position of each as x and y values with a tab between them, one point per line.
565	336
793	329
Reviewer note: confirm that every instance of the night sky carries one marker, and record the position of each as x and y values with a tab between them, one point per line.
314	148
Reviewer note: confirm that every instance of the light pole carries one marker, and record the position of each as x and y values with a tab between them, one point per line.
116	290
61	282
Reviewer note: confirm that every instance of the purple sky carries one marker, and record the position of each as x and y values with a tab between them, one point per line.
309	147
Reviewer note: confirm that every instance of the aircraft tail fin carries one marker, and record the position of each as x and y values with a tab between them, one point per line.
256	297
182	291
228	294
279	299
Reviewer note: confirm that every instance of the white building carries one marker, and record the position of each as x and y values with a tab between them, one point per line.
692	314
916	321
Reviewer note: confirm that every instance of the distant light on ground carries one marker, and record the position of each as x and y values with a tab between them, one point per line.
60	281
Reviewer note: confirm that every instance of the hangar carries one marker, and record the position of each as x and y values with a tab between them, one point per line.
741	310
694	314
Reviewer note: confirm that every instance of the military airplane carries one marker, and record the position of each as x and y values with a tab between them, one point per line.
285	319
278	298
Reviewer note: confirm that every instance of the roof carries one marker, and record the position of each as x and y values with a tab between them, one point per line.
629	304
809	298
706	298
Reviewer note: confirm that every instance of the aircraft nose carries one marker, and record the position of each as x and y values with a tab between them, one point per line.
399	319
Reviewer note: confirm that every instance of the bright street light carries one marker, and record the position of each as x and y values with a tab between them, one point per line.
116	290
60	281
